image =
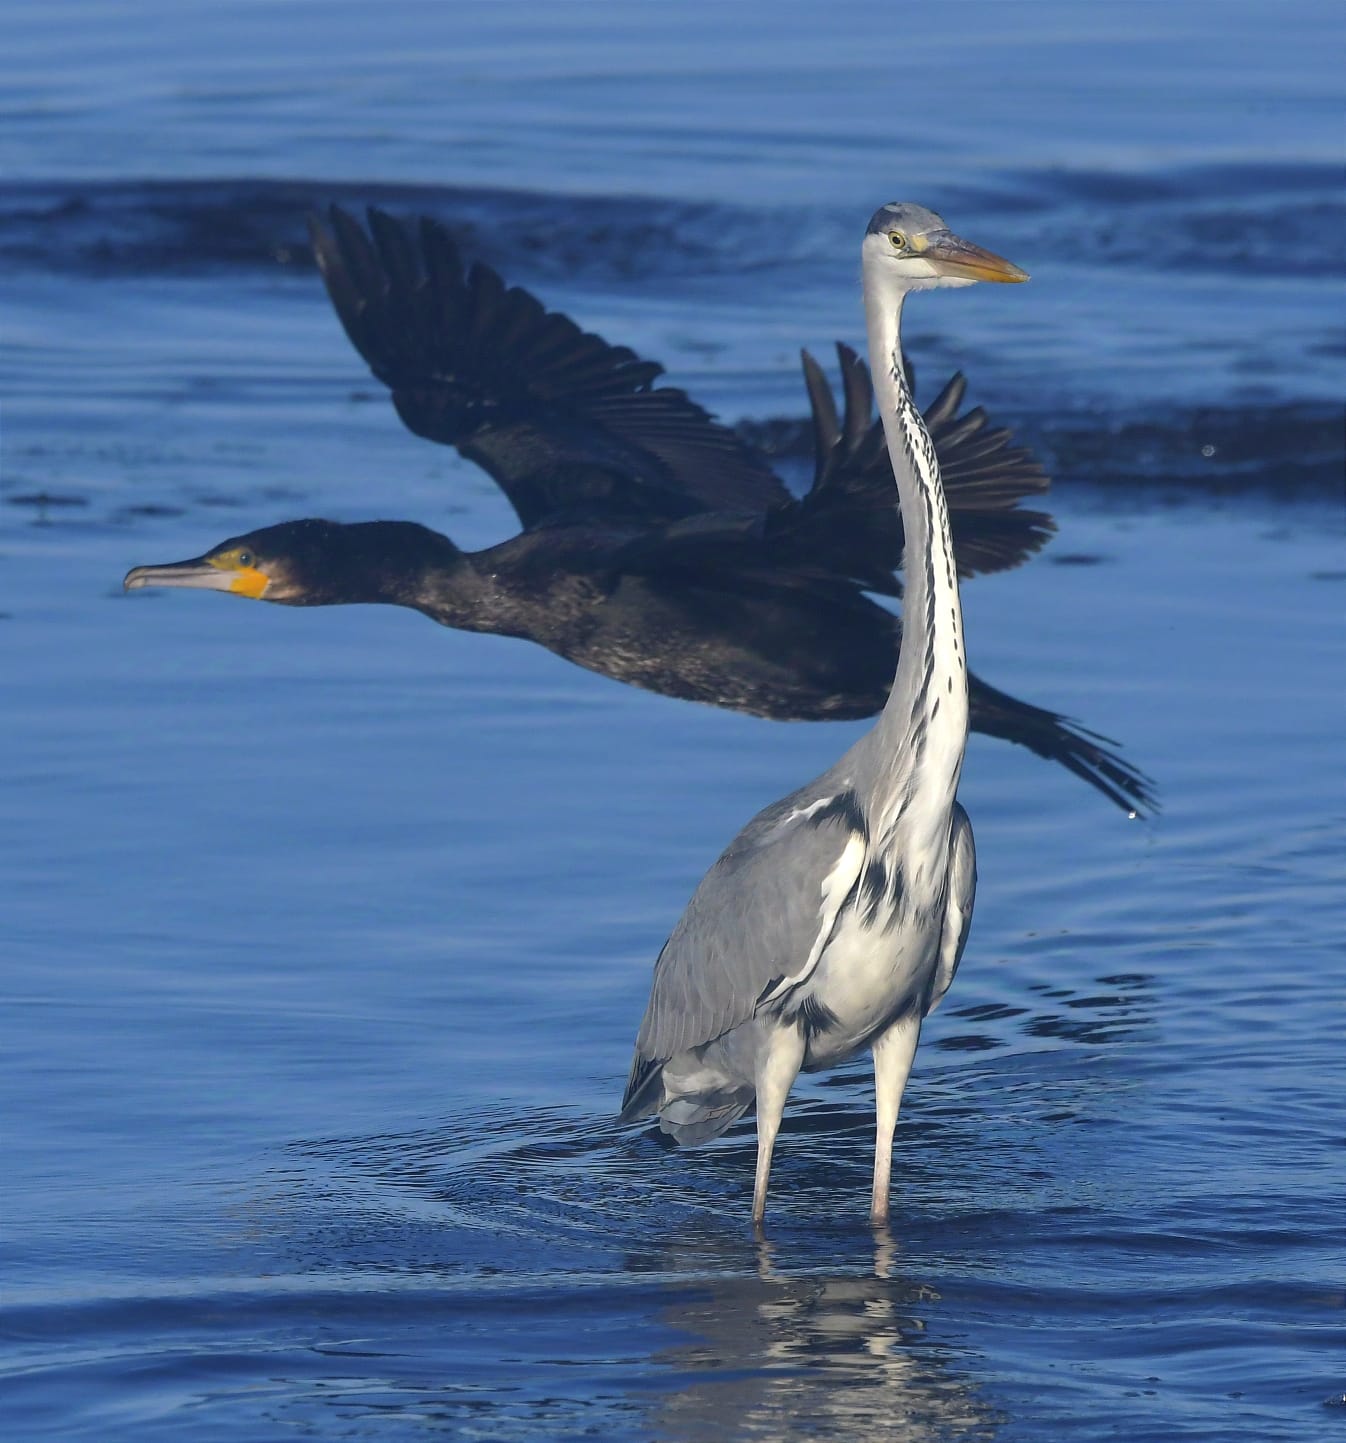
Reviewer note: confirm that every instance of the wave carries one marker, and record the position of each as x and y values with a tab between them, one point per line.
1237	219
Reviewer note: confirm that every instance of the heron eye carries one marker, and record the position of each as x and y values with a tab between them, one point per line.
898	239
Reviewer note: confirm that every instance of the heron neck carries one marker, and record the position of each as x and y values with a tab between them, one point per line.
925	720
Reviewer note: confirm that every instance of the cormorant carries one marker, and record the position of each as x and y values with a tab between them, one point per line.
657	547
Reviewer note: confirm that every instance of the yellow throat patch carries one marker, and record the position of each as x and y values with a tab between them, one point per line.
248	581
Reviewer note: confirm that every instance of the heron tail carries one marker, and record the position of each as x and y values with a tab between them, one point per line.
689	1122
644	1089
688	1119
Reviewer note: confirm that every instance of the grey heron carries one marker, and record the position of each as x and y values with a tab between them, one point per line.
837	917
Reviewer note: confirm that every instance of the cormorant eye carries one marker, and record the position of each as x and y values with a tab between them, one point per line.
898	239
245	558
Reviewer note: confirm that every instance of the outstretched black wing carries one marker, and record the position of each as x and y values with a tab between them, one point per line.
850	514
564	423
848	526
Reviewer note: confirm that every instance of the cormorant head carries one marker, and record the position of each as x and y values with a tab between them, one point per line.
914	250
308	563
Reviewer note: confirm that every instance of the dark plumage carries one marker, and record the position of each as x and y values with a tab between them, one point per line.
658	548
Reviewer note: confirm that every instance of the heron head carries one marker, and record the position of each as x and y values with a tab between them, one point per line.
914	249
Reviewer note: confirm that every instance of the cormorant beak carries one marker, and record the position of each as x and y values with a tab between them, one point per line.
950	255
201	574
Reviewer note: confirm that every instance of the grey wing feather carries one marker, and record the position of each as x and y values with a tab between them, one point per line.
753	920
962	893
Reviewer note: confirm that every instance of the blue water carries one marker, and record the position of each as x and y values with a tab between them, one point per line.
325	933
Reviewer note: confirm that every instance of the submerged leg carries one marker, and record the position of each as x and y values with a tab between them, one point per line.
778	1065
894	1052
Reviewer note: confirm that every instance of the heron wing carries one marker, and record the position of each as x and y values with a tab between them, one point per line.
563	422
850	515
962	893
760	916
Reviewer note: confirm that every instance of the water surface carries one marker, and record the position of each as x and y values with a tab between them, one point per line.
326	933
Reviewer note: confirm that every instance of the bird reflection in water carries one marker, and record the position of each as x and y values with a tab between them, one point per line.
658	547
847	1356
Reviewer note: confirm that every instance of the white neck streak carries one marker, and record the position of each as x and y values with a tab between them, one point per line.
920	738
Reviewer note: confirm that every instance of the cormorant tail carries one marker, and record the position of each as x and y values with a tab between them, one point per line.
1085	753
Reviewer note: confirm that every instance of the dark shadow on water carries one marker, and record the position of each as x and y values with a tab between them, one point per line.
1213	220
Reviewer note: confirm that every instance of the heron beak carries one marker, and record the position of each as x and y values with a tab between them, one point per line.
201	575
950	255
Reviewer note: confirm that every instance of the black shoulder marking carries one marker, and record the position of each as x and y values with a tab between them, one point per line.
770	988
881	887
873	880
844	807
814	1017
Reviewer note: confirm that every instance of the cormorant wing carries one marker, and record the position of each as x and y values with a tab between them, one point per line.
567	425
851	511
848	527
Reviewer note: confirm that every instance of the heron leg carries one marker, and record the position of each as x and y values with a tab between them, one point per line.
894	1052
778	1064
